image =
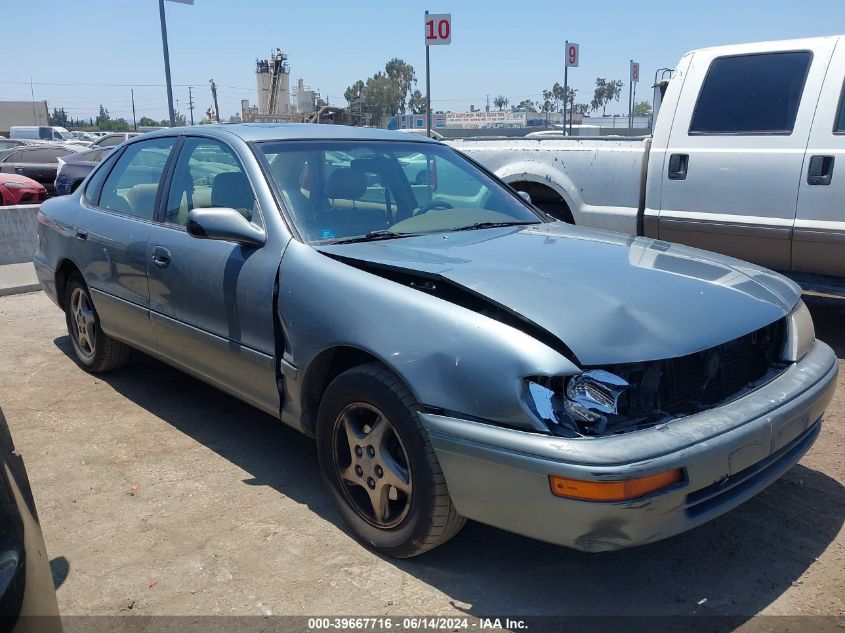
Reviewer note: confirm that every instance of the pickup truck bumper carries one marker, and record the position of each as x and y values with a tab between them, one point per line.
500	476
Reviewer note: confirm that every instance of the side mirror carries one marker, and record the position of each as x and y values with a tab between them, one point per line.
228	225
524	195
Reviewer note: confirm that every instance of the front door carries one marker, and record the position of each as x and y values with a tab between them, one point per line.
731	170
211	301
818	243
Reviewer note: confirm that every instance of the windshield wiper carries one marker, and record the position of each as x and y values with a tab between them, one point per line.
491	225
372	236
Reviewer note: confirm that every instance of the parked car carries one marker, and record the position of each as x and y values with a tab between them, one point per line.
454	351
44	134
83	136
27	597
39	162
110	140
10	143
741	161
15	189
73	168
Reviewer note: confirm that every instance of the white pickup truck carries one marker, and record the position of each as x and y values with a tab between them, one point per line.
741	161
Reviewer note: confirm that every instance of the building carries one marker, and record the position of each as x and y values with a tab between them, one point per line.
22	113
276	101
272	79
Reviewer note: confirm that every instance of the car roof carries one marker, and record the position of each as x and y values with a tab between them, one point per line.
292	131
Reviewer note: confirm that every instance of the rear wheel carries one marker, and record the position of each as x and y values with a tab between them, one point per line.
380	468
94	350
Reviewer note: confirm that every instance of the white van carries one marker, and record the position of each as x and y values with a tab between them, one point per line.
40	133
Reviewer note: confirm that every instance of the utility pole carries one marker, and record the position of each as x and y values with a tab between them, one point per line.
166	62
566	88
214	96
134	121
487	107
191	104
32	94
427	91
630	89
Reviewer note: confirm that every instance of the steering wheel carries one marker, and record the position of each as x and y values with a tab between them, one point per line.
434	204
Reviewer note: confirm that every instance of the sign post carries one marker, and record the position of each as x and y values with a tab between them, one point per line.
632	91
572	59
438	31
167	57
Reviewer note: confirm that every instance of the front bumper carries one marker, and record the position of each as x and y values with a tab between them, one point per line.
729	453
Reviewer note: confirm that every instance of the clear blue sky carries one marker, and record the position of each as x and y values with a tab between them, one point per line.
498	47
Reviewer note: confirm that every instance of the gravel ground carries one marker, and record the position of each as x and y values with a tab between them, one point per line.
160	495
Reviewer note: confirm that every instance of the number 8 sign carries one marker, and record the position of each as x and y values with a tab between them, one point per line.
438	29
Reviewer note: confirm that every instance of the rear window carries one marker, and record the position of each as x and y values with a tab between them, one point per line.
751	94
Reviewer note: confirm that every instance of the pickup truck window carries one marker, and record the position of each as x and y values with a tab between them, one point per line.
751	94
839	124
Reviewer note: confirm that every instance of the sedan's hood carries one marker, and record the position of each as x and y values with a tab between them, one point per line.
610	298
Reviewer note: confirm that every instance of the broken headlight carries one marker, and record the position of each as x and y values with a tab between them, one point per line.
585	403
800	333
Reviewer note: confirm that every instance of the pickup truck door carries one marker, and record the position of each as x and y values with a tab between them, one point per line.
731	168
211	301
818	241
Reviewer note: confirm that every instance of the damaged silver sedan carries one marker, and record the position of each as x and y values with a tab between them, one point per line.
455	352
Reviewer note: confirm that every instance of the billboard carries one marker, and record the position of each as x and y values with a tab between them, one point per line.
479	120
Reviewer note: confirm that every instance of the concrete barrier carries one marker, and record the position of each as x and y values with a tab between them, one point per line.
17	233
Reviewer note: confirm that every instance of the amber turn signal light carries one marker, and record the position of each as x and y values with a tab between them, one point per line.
620	490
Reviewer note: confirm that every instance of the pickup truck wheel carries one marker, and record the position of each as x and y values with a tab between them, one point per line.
94	350
379	466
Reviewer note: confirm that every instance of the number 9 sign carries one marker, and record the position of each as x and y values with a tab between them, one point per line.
438	29
572	54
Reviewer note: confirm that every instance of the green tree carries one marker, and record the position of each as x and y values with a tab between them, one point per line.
235	118
526	105
59	118
402	74
146	121
103	117
386	93
501	102
643	108
417	102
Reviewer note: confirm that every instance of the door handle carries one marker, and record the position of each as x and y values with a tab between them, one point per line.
19	170
678	164
820	171
81	234
161	257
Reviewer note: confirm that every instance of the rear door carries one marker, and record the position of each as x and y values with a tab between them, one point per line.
112	234
818	243
731	175
211	301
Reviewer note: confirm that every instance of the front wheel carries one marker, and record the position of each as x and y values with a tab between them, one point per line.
379	466
95	351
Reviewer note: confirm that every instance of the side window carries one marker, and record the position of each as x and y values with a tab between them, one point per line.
132	185
751	94
111	141
839	124
95	182
208	174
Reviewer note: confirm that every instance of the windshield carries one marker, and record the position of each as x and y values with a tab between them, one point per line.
63	133
342	190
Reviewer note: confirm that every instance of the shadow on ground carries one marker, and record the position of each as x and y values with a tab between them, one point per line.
740	563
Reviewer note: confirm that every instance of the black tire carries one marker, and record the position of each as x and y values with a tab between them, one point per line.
428	518
94	350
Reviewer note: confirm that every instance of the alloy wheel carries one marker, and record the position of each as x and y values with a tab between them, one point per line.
372	465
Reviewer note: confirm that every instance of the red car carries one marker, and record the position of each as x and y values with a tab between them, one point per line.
16	189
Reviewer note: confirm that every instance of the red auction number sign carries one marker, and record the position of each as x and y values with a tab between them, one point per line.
635	71
572	54
438	29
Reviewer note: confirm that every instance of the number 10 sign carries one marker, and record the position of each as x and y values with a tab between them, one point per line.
438	29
